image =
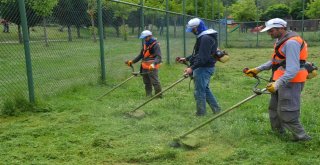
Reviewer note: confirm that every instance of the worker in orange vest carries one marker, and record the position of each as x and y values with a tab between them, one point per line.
150	56
287	81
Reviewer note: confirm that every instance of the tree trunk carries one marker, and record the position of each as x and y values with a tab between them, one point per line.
93	29
117	31
104	32
125	33
78	32
69	33
45	31
19	34
175	27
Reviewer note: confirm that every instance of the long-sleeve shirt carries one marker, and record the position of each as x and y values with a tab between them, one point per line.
292	51
155	50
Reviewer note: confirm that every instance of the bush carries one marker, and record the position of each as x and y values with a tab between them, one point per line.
19	104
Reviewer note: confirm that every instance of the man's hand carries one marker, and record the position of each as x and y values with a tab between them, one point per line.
252	72
188	71
151	67
272	87
129	63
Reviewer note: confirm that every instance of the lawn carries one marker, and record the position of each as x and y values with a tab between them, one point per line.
72	127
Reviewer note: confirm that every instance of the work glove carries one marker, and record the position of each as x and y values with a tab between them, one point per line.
129	63
151	67
272	87
252	72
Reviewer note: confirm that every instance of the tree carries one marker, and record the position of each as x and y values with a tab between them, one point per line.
92	10
175	6
313	9
276	11
296	10
71	12
44	8
120	16
10	12
245	10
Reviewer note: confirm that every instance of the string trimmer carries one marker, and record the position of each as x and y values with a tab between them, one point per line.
139	113
134	74
190	141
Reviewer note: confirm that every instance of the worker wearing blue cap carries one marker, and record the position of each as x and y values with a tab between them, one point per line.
202	65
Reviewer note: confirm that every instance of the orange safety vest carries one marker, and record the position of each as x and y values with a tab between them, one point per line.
148	58
278	61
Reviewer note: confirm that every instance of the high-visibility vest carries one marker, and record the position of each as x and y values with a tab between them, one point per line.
148	58
278	61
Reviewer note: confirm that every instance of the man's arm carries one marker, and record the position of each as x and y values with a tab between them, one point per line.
139	57
157	53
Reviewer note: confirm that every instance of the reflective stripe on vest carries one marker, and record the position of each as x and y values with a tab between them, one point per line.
278	59
148	58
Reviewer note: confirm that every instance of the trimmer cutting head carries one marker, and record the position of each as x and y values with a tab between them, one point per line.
189	141
137	114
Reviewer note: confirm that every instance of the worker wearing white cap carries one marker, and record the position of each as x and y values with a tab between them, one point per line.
150	56
287	81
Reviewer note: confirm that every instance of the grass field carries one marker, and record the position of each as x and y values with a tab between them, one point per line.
75	128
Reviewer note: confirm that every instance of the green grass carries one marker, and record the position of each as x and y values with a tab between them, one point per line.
78	129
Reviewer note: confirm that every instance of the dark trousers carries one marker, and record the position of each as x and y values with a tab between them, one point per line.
284	110
151	79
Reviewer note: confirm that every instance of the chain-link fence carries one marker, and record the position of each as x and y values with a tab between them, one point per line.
66	48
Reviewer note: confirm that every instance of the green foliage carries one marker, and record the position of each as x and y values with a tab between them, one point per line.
16	106
296	10
10	11
244	10
43	7
72	12
313	9
124	32
19	105
276	11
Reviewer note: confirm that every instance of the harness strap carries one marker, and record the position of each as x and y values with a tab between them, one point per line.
279	55
149	47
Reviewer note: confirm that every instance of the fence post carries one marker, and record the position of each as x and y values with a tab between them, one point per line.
100	29
219	21
167	22
24	24
196	7
184	31
226	21
141	20
302	22
212	9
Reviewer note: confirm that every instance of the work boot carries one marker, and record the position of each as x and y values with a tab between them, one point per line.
148	89
302	139
157	89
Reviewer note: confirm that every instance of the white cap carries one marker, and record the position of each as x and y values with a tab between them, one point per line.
275	22
192	24
145	34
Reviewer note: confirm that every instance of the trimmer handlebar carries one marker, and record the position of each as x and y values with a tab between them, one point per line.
255	89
